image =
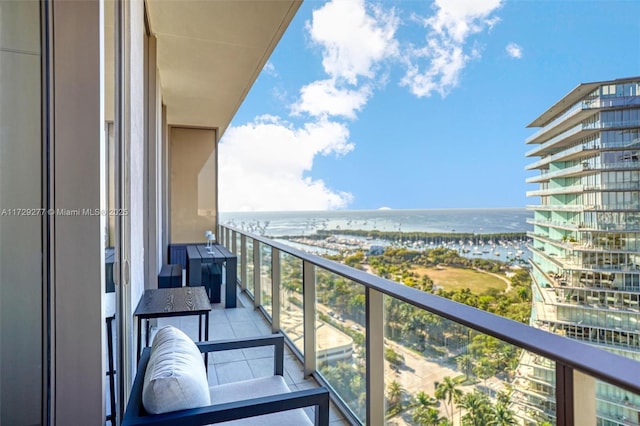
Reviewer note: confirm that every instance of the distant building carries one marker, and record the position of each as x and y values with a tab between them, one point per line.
586	237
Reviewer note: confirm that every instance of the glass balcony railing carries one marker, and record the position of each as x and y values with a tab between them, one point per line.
291	299
249	262
392	354
571	112
570	189
564	172
266	272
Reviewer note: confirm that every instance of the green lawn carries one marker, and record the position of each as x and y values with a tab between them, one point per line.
457	278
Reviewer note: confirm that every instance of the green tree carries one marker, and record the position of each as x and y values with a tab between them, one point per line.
501	415
477	408
395	394
484	369
393	357
423	399
465	364
428	416
449	392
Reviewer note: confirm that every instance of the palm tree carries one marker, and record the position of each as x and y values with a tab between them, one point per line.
448	391
423	399
501	416
504	396
395	392
485	369
477	408
465	364
428	416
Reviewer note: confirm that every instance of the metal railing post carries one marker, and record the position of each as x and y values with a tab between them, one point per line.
564	395
243	262
234	242
275	290
257	296
375	356
309	309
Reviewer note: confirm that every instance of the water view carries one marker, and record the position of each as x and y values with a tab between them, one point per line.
328	232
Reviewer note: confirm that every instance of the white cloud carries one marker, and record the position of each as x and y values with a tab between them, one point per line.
270	69
514	51
436	66
352	39
267	164
263	165
323	97
355	40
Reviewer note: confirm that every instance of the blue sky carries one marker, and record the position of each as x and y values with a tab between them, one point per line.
414	104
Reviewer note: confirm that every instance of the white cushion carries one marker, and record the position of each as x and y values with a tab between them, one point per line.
256	388
176	378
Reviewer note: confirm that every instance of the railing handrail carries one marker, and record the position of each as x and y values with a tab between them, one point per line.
600	364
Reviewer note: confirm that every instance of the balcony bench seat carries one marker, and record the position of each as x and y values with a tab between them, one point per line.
170	276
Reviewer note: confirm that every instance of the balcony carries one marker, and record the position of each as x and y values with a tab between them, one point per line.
556	207
571	117
572	189
363	336
558	143
566	172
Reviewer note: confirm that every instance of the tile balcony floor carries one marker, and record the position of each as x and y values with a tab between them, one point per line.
243	364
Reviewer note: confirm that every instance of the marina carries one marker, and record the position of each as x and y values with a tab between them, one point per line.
497	234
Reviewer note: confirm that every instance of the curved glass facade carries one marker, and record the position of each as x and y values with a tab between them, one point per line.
586	260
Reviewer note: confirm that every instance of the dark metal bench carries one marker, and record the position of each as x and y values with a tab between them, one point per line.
135	413
170	276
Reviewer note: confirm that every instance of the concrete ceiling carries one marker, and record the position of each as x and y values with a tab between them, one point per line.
210	53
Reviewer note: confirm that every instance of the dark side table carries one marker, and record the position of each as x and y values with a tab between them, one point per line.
173	302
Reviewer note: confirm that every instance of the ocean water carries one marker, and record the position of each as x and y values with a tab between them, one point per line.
478	221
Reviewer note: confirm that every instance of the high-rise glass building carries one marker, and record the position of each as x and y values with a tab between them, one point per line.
585	262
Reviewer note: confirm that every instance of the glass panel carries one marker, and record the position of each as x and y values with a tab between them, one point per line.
249	283
437	370
291	314
265	277
615	405
534	393
21	251
340	338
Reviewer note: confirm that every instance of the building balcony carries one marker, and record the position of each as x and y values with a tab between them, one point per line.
571	226
578	189
556	207
316	302
577	170
572	189
567	120
560	142
568	154
588	226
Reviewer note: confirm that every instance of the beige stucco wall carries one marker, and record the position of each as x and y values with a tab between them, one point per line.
193	183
